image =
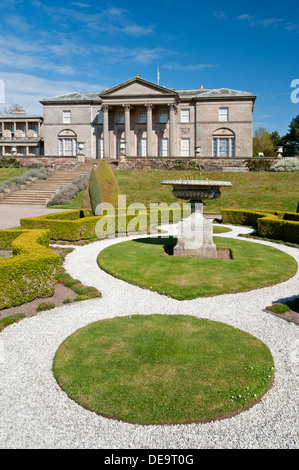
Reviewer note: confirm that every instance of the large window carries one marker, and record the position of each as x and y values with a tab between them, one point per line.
185	115
66	117
185	147
163	147
141	150
67	147
223	114
223	147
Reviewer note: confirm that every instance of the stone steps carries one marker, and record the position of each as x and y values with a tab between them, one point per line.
41	191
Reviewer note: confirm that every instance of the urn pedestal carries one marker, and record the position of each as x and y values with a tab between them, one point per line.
195	232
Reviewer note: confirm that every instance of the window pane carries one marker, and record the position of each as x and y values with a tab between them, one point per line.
121	118
100	117
142	118
142	148
185	115
223	114
163	148
223	148
66	117
214	147
232	147
185	147
163	117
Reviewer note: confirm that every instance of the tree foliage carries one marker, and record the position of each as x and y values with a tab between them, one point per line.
263	143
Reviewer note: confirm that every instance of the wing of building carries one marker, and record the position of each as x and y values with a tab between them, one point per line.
151	120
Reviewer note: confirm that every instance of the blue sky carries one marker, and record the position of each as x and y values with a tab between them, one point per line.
49	48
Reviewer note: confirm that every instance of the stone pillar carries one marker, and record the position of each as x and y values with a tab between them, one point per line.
149	130
127	129
172	130
106	146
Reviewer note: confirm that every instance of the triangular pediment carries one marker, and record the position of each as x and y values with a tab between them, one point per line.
137	87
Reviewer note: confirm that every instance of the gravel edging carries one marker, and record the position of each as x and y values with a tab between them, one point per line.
36	413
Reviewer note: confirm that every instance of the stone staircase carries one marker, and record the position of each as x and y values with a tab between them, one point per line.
41	191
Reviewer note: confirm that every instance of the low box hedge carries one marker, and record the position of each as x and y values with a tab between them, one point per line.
81	224
276	225
31	270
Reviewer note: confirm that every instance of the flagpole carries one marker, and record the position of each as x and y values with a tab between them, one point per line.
158	75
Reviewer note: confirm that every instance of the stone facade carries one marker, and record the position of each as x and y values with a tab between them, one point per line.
20	134
149	120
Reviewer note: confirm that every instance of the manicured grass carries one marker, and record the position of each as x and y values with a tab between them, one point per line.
250	190
8	173
142	263
158	369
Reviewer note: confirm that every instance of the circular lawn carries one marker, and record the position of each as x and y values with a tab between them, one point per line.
158	369
143	262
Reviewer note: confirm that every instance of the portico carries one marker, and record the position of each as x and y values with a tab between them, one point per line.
138	119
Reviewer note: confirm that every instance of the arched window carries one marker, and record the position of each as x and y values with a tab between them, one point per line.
67	143
224	143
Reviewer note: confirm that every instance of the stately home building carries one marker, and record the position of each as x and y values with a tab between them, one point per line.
151	121
20	134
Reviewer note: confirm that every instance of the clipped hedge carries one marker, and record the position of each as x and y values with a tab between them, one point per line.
81	224
275	225
31	270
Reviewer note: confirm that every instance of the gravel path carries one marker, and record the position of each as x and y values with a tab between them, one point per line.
36	413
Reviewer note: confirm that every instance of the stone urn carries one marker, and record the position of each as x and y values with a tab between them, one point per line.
195	233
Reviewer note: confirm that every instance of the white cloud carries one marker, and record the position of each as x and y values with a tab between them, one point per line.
28	90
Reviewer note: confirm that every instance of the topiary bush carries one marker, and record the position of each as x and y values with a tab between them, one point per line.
103	187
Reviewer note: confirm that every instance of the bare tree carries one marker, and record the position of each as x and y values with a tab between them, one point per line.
13	108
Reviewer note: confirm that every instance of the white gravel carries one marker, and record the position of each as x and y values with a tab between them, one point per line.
36	413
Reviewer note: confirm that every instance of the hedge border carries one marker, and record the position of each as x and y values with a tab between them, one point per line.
31	270
276	225
80	224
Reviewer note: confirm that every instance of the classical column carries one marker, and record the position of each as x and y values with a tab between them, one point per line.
149	130
172	130
106	147
127	129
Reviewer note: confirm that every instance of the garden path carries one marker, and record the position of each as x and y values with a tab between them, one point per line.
36	413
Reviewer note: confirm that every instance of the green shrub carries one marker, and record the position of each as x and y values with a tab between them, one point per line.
188	165
31	270
278	308
45	306
9	162
258	164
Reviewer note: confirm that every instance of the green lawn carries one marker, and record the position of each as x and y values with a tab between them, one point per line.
158	369
8	173
140	262
250	190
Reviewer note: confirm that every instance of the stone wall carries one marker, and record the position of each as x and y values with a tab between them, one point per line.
60	163
168	163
